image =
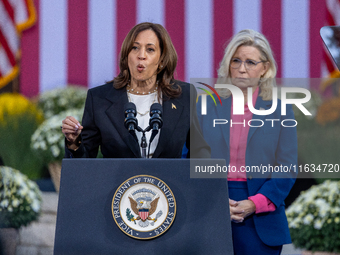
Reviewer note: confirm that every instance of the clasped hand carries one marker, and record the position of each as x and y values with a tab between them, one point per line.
239	210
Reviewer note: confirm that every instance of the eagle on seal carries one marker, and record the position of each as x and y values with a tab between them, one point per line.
143	208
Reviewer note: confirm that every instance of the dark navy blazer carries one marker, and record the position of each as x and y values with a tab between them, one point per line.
103	123
266	145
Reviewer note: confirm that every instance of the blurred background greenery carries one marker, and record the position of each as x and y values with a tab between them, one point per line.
20	117
318	135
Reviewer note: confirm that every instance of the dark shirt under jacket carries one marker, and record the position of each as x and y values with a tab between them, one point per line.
103	123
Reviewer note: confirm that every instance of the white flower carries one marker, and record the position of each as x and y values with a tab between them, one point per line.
53	138
335	210
4	203
323	212
23	191
35	205
318	224
308	219
324	207
55	151
311	195
62	101
298	208
31	195
42	145
15	202
20	180
294	223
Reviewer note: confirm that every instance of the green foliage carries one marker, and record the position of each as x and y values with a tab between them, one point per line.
20	199
129	215
15	139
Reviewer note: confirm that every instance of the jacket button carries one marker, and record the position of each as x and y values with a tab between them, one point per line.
250	177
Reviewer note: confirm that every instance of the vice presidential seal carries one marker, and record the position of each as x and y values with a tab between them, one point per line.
143	207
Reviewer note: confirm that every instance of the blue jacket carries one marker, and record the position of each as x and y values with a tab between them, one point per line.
266	146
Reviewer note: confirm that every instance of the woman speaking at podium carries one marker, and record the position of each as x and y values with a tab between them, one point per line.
257	209
147	64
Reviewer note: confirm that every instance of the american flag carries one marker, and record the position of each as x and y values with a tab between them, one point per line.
15	16
78	41
332	19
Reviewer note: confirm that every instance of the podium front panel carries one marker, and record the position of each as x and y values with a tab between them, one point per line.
85	223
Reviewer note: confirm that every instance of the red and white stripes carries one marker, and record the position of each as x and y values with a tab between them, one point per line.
78	41
15	16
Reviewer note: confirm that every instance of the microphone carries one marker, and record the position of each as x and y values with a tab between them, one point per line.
156	121
130	122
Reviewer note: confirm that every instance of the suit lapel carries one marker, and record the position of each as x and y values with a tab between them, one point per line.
118	98
260	104
224	112
172	111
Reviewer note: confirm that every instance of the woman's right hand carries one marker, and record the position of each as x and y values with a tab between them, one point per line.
71	128
235	213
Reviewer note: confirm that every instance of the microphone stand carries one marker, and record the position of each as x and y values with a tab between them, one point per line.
143	144
155	123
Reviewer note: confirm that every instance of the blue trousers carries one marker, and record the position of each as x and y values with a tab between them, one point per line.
245	238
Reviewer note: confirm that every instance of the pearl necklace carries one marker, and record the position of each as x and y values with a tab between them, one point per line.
133	91
153	101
